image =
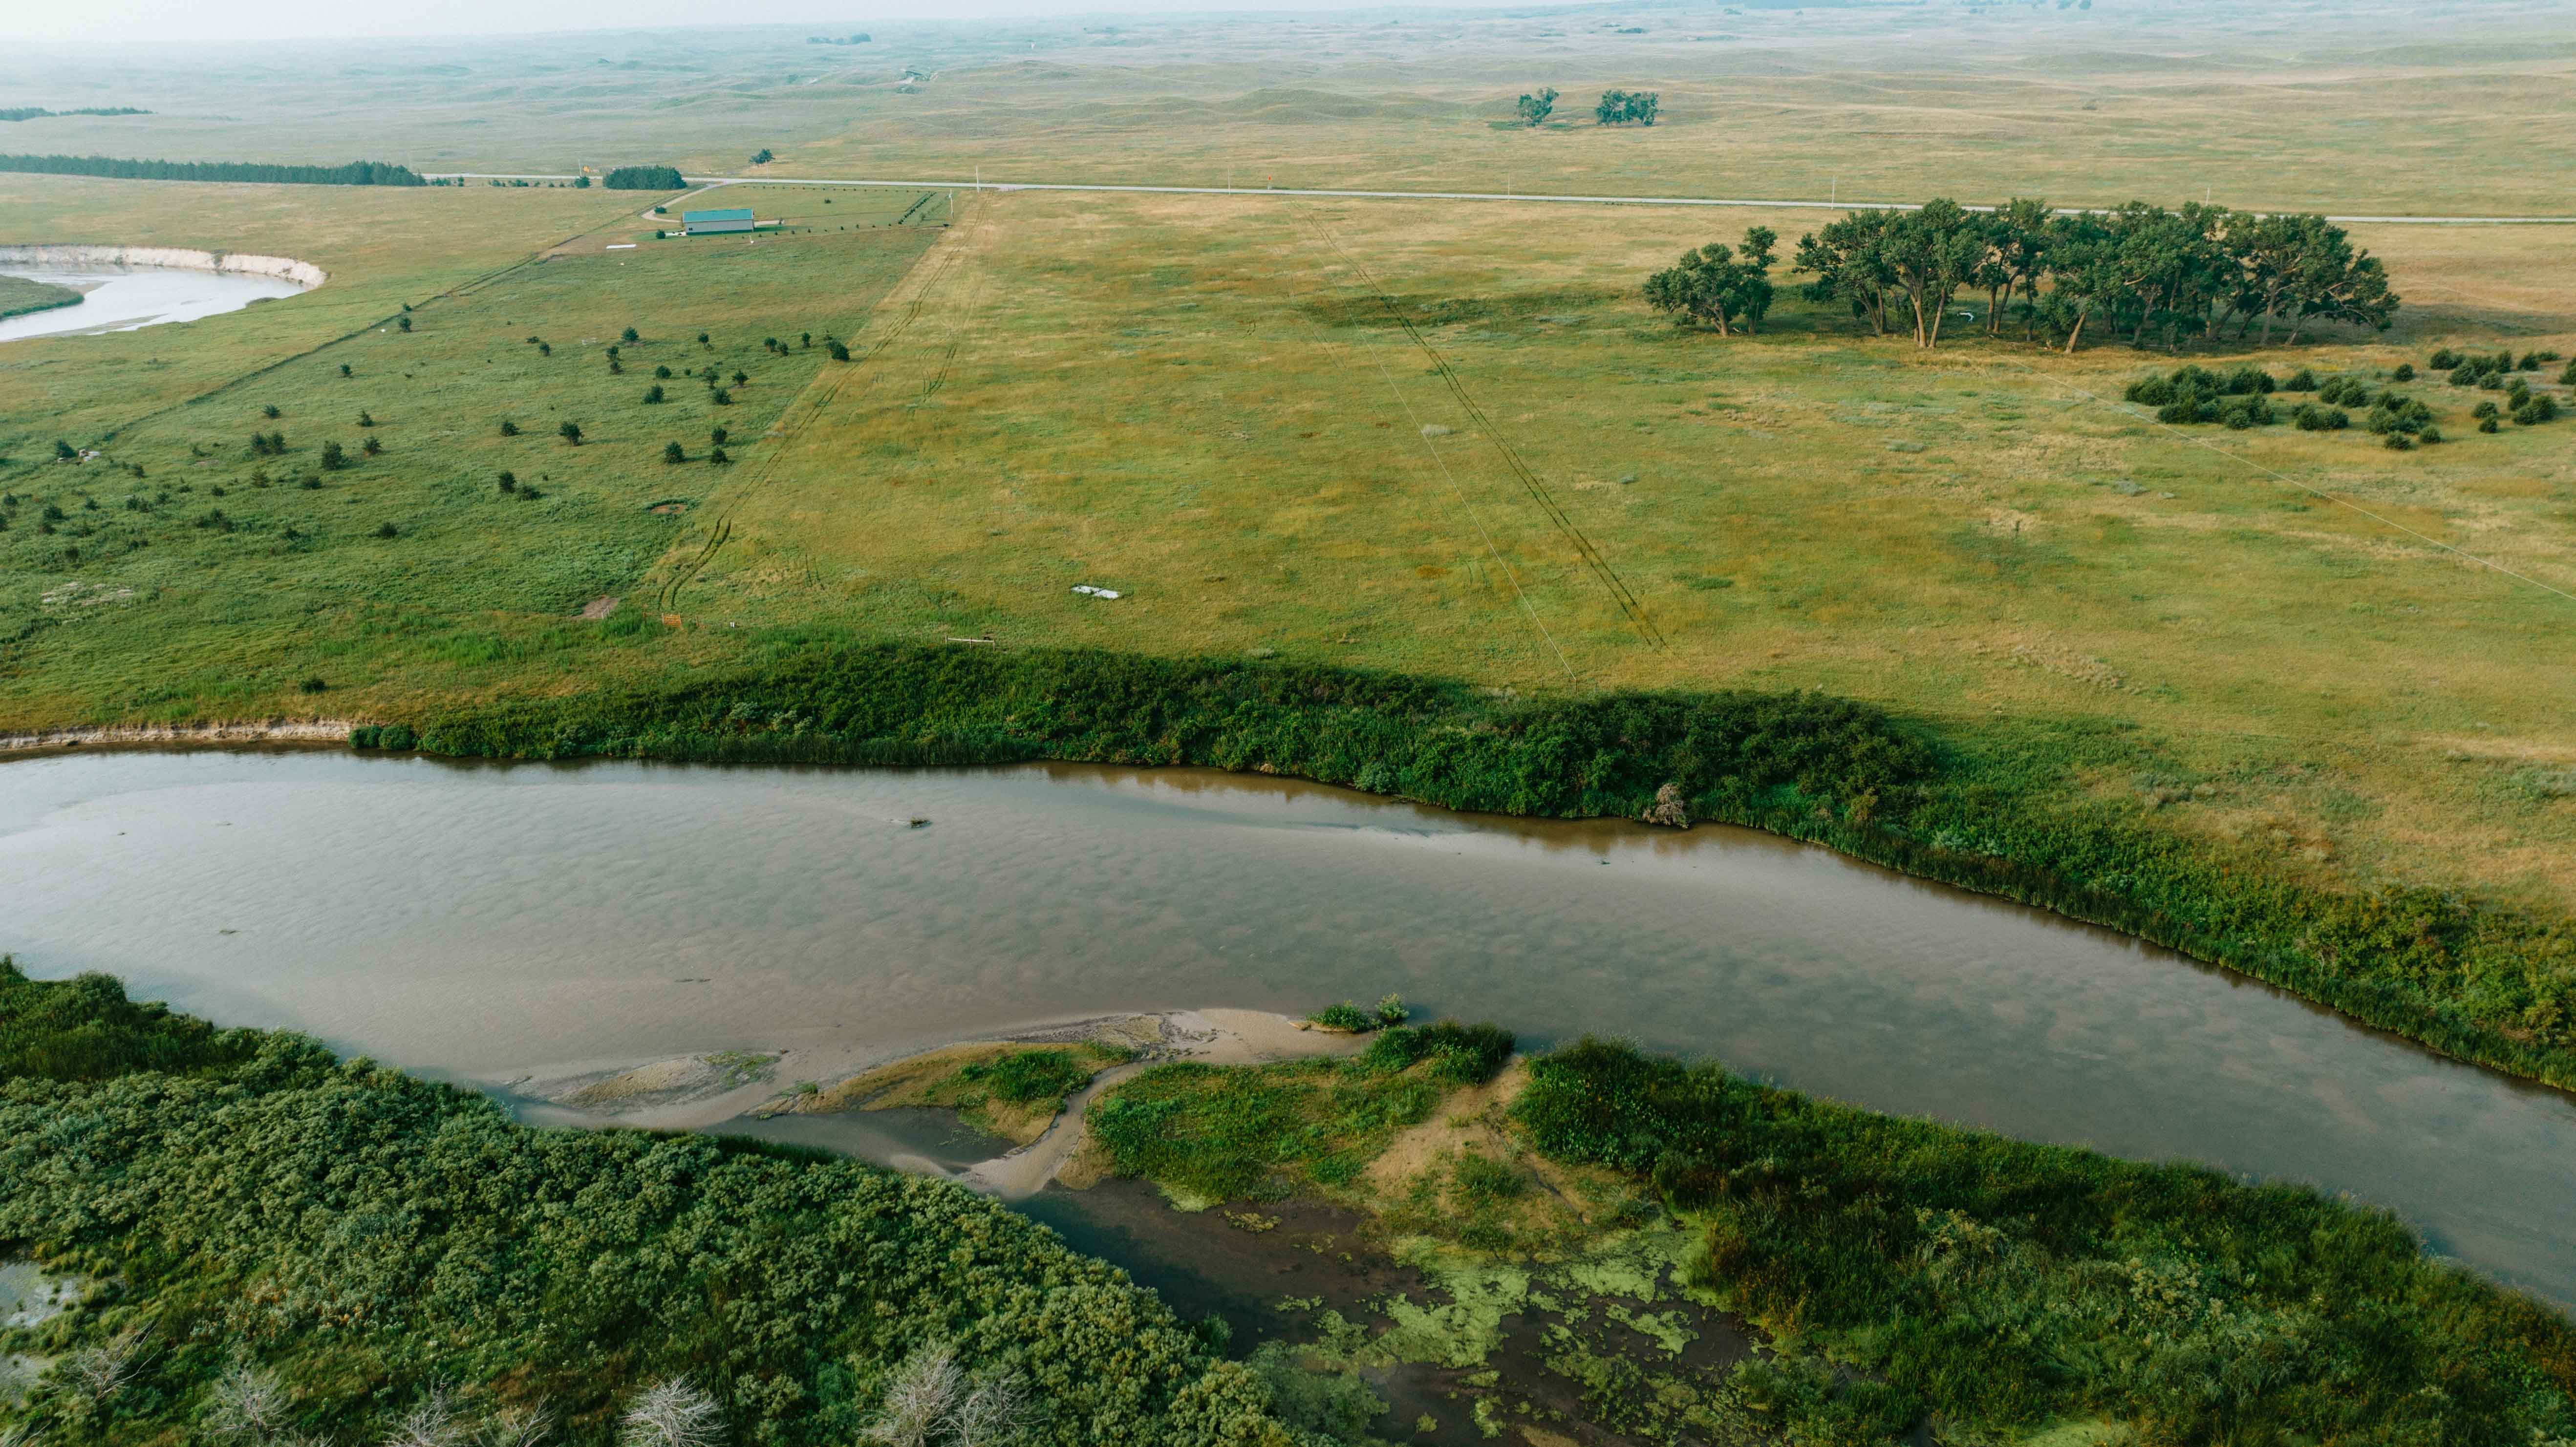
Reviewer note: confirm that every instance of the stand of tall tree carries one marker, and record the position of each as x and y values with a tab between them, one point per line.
1718	286
2152	275
645	178
1627	108
356	173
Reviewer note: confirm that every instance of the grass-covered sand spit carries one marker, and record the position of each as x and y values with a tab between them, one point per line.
1901	1270
20	295
251	1210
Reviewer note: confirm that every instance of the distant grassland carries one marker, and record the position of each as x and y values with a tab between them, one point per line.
2170	672
2376	106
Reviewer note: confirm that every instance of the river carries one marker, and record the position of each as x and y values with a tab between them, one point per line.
122	298
482	921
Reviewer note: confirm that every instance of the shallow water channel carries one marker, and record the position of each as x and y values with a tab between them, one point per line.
483	921
122	298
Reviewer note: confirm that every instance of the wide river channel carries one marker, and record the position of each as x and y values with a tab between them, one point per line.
122	298
481	921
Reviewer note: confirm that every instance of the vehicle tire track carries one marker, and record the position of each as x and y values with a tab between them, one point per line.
1629	605
812	403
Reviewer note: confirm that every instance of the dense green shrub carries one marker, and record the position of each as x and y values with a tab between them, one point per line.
2538	409
1027	1076
2301	380
1344	1016
646	178
367	1236
356	173
2443	360
1459	1054
2001	1285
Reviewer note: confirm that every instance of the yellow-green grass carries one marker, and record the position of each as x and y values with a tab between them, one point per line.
2376	106
1196	402
162	608
2379	107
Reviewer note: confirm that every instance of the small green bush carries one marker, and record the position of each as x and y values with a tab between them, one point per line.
1029	1076
2405	372
2443	360
1344	1016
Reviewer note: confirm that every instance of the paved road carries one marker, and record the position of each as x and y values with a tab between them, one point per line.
1732	201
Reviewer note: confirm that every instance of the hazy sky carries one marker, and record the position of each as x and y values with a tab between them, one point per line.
155	20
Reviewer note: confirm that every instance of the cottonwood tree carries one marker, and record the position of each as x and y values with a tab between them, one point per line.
248	1401
672	1413
1931	252
919	1397
995	1414
1848	261
1718	286
2016	258
1627	107
1535	108
434	1420
101	1371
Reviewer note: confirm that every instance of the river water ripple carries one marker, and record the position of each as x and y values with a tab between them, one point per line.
481	921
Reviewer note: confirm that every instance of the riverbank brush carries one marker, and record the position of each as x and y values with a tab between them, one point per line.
376	1247
2001	811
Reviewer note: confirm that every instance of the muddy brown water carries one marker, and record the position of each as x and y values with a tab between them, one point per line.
482	921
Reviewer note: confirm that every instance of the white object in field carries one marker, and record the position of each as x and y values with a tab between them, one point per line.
623	246
1086	588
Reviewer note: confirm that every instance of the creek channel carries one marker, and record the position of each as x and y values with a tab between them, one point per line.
483	922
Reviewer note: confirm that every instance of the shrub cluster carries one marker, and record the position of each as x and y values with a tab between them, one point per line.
645	178
370	1243
1998	1285
2192	393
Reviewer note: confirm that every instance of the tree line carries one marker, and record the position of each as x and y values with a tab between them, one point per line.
646	178
2152	274
356	173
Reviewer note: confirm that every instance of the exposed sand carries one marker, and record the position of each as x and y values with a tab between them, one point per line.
247	731
697	1092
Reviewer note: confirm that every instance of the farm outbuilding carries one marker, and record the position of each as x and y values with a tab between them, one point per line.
699	223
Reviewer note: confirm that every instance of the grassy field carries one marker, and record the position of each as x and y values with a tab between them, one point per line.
2279	643
1198	402
220	579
